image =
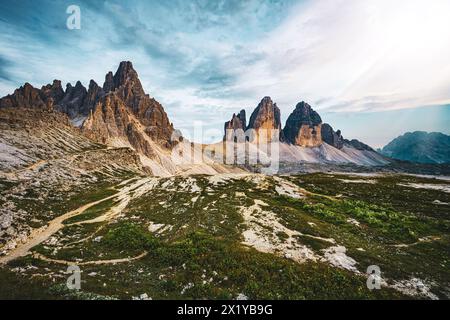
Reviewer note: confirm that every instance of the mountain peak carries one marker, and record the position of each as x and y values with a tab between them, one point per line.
266	119
125	65
125	81
125	75
126	99
306	115
237	122
108	85
420	146
303	126
266	115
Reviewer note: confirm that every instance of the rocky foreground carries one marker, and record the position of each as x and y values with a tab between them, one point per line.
234	235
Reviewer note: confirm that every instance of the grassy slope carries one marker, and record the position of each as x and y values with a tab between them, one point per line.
201	256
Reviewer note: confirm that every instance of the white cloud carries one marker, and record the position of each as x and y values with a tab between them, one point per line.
358	55
341	55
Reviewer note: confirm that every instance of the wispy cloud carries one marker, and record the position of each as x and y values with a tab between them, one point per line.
359	55
206	59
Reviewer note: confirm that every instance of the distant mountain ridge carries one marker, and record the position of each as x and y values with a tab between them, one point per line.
303	127
420	147
120	114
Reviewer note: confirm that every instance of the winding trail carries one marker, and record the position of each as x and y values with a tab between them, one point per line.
37	236
421	240
96	262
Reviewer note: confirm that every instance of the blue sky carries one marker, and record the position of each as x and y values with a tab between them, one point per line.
372	68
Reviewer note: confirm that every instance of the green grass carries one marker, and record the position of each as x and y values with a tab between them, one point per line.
17	287
92	212
204	248
219	269
129	236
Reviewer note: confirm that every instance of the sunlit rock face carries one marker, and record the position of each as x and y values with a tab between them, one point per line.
25	97
303	127
119	112
126	113
265	121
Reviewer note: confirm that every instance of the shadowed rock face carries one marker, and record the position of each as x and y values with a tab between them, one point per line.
26	97
237	122
94	94
303	127
357	145
331	137
73	100
108	85
52	91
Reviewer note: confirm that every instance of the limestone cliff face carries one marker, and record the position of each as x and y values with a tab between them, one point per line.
118	111
126	113
303	127
24	97
266	118
237	122
126	86
108	120
111	120
52	93
308	136
331	137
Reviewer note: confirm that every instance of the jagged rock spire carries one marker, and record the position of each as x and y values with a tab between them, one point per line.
331	137
238	121
266	115
109	82
303	127
125	111
266	119
26	97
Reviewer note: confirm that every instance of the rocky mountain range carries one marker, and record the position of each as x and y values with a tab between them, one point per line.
118	114
303	127
121	114
115	110
420	146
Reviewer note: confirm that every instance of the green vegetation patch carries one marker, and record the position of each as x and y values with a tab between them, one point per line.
92	212
129	236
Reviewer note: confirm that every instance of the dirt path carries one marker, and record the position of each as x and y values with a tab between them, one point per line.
37	236
71	157
421	240
85	263
14	175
